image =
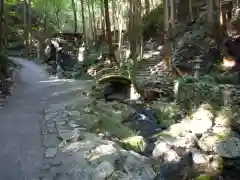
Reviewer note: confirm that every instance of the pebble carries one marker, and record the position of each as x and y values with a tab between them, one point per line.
56	163
50	152
46	167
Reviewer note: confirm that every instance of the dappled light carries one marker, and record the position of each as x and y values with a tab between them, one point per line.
119	90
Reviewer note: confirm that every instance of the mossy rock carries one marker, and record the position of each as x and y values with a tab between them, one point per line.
110	120
167	113
203	177
135	143
191	92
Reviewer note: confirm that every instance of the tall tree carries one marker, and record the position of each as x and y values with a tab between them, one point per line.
210	6
102	18
1	24
26	30
30	26
94	19
74	15
109	34
83	22
135	37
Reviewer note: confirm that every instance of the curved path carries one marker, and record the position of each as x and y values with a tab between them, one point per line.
21	153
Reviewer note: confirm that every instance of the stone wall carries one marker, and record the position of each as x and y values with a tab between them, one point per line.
191	94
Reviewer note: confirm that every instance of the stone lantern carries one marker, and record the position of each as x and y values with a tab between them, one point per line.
197	66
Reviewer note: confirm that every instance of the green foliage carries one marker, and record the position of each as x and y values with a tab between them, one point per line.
110	120
221	78
192	41
91	59
153	22
4	65
192	92
203	177
167	113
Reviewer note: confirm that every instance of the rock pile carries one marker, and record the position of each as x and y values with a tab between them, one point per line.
72	152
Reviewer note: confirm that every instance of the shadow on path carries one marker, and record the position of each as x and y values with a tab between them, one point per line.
21	153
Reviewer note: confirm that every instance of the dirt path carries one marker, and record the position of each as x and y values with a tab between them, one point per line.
21	153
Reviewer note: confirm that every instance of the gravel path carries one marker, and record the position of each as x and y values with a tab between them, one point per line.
21	152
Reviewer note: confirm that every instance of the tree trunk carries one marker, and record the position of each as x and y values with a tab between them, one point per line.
90	20
183	15
30	27
147	6
120	26
135	38
190	10
109	34
167	44
1	24
83	22
74	15
94	20
58	19
26	32
113	20
103	19
166	15
210	11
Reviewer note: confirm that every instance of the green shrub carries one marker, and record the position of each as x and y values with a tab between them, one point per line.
4	65
153	22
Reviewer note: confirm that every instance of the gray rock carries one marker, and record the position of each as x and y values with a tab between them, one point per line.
199	158
165	143
49	116
35	178
225	145
87	110
199	126
160	149
201	121
188	141
173	170
60	123
67	134
103	170
46	167
103	152
171	156
50	125
74	114
208	142
73	124
50	140
119	175
177	130
62	177
47	178
50	152
51	130
228	147
217	128
138	167
82	170
56	163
